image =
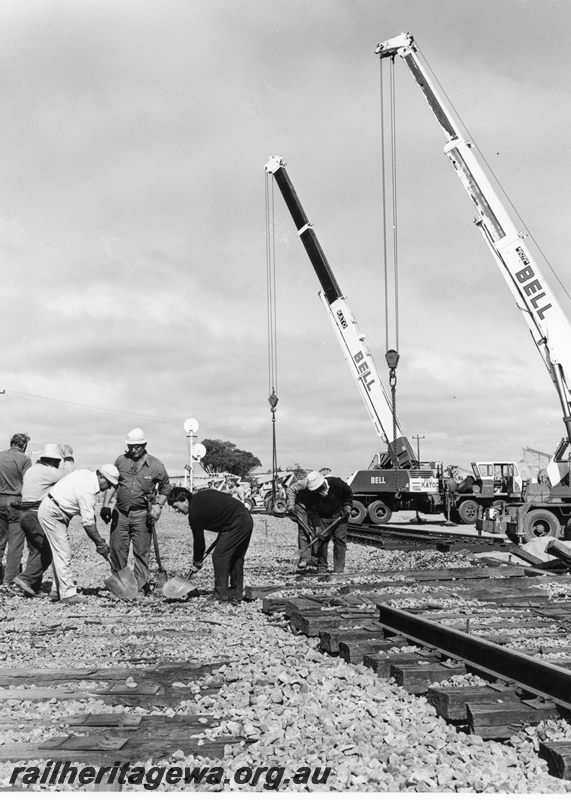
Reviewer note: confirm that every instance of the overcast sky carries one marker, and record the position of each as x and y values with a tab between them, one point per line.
133	140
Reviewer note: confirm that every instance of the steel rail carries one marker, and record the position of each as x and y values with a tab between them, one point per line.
534	676
416	534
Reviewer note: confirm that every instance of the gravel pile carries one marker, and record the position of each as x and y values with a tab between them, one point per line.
304	708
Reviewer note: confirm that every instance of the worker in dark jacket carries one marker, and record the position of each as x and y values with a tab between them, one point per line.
217	511
327	500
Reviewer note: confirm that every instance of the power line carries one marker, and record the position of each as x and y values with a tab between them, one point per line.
131	414
94	408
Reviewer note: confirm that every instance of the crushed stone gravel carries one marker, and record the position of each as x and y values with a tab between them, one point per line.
301	706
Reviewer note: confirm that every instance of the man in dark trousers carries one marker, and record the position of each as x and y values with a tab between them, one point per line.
142	492
38	481
219	512
327	500
13	464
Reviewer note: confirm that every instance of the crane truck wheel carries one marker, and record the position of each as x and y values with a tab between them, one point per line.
358	513
541	523
279	508
379	512
468	512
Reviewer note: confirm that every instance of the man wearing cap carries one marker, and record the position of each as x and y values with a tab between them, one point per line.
143	490
76	493
13	464
329	499
38	480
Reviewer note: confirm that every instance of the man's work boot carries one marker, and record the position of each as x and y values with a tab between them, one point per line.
302	564
23	584
74	599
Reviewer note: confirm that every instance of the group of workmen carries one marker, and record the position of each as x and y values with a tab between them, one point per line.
38	502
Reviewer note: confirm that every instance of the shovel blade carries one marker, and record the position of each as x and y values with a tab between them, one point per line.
123	584
177	587
114	586
129	582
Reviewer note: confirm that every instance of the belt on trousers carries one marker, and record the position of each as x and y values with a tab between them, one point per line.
55	502
28	505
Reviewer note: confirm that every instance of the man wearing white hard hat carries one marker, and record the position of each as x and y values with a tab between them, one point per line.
54	462
329	502
75	494
143	490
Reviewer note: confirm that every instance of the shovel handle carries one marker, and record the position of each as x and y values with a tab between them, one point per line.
301	523
156	545
210	549
307	546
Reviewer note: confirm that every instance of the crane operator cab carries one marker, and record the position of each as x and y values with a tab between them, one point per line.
497	479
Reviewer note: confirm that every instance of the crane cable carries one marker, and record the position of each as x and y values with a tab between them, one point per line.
390	270
272	324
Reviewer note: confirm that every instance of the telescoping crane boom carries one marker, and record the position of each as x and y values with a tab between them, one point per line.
549	327
352	341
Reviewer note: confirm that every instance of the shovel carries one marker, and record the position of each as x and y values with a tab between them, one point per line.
178	587
122	584
330	528
162	576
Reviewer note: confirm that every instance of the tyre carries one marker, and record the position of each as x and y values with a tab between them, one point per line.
379	512
279	508
358	513
540	522
468	512
249	503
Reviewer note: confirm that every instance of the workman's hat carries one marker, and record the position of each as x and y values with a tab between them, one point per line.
315	480
110	473
51	451
136	436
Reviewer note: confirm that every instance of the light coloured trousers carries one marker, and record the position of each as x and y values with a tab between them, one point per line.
55	525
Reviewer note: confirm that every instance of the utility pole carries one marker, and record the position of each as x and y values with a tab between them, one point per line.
418	438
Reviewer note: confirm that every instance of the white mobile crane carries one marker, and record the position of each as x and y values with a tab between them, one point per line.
399	482
548	325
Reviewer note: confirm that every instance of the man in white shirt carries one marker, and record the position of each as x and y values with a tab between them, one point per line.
38	480
75	494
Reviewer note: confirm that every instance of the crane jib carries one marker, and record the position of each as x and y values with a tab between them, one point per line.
363	369
361	365
530	284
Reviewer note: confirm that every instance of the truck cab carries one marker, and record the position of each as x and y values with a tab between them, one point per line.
497	479
493	483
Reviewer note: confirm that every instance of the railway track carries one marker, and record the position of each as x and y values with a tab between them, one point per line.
394	537
489	648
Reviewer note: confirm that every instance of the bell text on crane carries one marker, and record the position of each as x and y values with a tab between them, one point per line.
363	369
531	286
